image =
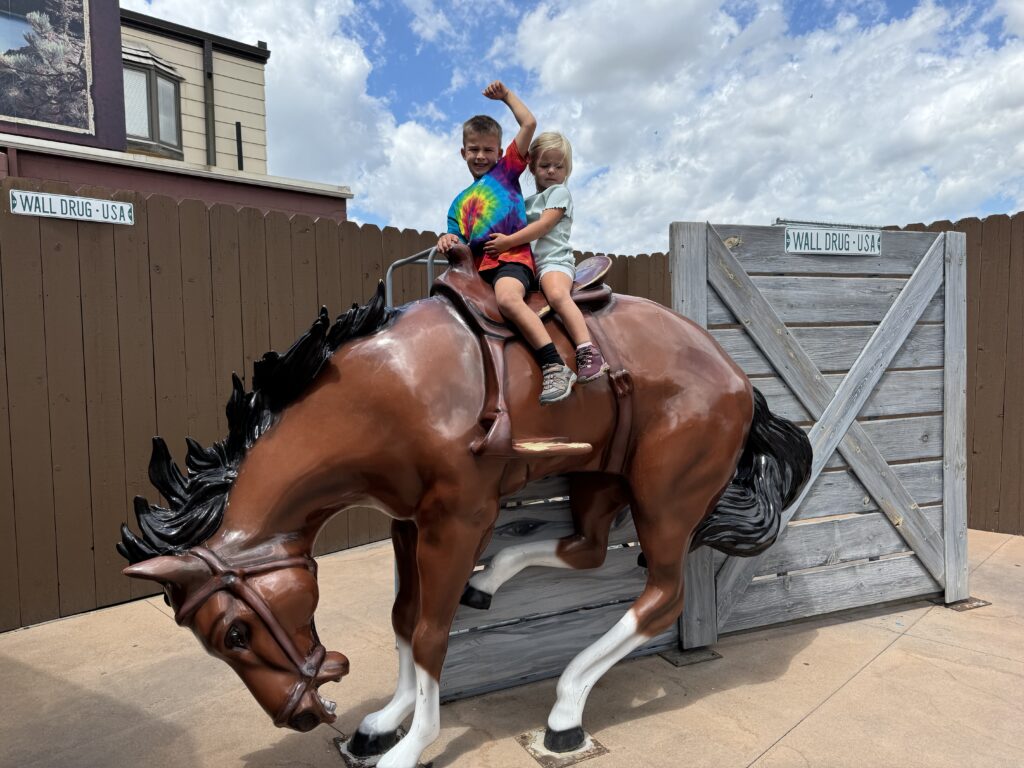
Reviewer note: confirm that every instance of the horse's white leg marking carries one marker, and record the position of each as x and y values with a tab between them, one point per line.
587	668
426	725
402	703
512	560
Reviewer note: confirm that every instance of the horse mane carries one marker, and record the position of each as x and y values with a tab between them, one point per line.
196	500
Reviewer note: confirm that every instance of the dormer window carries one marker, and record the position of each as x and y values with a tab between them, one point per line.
152	102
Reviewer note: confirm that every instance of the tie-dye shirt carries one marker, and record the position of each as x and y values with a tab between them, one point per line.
493	203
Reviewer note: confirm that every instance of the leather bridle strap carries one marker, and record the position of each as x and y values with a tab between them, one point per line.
233	579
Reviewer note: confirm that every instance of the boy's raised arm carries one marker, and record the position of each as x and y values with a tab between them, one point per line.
527	122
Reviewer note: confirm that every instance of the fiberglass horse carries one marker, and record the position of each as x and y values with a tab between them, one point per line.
404	410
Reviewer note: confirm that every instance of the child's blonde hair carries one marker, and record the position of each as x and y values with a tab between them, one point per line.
551	140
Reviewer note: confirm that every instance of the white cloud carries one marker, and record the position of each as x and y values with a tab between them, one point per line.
431	24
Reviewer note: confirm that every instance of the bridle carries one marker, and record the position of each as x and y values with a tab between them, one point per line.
233	579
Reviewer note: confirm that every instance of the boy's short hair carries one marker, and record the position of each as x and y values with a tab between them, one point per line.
551	140
484	124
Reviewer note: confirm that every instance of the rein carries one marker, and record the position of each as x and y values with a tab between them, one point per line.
234	580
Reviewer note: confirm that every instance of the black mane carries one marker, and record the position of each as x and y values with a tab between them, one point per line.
197	500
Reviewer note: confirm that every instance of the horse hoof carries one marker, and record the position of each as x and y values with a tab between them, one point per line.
474	598
367	745
564	741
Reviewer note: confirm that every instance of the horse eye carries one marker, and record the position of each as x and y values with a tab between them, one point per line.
237	637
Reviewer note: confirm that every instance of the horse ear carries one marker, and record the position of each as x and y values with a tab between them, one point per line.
170	570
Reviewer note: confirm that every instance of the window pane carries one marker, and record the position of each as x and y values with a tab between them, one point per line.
136	103
168	111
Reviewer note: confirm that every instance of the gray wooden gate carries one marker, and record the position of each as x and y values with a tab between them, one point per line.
869	353
887	393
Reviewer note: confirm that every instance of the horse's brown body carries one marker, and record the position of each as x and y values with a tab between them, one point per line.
388	423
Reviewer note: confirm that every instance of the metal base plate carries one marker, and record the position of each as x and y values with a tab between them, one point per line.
965	605
680	658
351	761
533	742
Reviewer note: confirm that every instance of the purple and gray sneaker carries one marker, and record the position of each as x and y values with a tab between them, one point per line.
590	363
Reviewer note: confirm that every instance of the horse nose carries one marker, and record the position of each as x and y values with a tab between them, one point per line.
304	722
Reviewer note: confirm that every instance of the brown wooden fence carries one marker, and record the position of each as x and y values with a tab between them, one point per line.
112	334
995	369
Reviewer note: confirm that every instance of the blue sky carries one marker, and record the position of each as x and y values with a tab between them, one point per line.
887	111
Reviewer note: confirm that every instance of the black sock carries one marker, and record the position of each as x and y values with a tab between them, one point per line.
548	355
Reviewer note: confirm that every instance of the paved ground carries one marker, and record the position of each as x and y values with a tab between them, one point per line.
912	685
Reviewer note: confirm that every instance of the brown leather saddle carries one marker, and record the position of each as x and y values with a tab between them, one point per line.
462	285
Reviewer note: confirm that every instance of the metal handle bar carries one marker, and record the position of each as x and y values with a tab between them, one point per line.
423	257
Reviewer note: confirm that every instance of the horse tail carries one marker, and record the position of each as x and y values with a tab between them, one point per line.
775	464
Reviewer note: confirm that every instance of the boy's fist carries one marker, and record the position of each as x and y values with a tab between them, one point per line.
496	91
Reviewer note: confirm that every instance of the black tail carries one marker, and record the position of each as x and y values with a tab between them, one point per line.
776	463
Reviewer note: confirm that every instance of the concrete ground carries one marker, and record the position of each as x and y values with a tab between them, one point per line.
911	685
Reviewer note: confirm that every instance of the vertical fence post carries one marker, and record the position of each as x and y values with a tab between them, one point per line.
954	440
688	269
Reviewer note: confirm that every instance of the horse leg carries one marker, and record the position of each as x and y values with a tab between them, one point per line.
446	549
378	731
595	500
665	514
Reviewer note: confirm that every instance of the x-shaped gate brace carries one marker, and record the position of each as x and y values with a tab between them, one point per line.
835	413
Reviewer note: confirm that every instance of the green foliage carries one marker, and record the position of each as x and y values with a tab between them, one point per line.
46	79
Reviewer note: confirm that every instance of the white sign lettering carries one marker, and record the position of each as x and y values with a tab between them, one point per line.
67	207
832	242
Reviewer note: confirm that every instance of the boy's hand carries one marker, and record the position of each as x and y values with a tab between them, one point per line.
496	91
446	242
497	243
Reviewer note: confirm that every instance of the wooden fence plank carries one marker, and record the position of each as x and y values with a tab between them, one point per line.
1011	489
901	439
103	401
10	600
197	313
280	296
618	274
304	274
844	299
798	596
515	654
638	281
762	250
991	370
834	349
349	248
973	229
29	414
660	281
955	428
840	492
899	393
228	334
69	432
688	266
135	341
836	412
169	361
818	543
255	301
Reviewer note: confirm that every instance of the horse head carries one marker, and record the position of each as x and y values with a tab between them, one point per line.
250	606
257	617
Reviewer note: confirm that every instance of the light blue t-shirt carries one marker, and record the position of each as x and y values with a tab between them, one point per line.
554	247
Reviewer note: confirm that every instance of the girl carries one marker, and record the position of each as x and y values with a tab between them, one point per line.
549	217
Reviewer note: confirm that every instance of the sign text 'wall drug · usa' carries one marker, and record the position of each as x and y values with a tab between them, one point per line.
833	242
28	203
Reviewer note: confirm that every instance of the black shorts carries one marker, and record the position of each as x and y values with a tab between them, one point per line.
512	269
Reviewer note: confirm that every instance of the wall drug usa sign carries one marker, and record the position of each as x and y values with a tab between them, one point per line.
28	203
833	241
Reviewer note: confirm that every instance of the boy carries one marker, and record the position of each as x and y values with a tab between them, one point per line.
494	203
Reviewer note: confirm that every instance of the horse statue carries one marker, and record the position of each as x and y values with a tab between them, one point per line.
429	413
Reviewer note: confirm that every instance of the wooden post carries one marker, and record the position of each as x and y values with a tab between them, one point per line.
954	463
688	268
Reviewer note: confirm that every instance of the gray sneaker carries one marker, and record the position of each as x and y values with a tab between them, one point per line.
558	381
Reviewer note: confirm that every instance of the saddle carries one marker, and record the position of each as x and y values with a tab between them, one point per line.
462	285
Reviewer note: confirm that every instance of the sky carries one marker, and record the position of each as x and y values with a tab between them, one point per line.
872	112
